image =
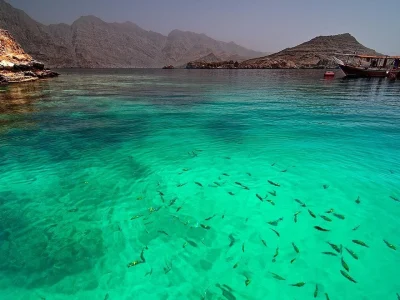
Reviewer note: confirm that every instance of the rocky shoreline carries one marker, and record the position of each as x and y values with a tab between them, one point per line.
17	66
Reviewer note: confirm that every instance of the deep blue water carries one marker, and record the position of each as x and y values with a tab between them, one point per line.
154	184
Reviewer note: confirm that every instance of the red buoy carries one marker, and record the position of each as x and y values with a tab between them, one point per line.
329	74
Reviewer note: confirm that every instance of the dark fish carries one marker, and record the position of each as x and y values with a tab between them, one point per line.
276	276
284	171
243	247
273	164
161	193
316	291
276	252
142	255
391	246
273	183
273	193
276	232
355	228
358	200
276	222
299	284
334	247
326	218
232	240
344	265
198	183
326	296
225	174
216	183
134	263
191	243
295	216
185	170
209	218
325	186
235	265
205	226
248	174
163	232
184	245
295	248
292	261
172	202
320	228
264	242
361	243
329	211
259	197
230	193
181	184
311	214
339	216
270	201
247	282
299	202
347	276
238	183
329	253
179	208
227	157
162	198
352	253
136	217
394	198
73	210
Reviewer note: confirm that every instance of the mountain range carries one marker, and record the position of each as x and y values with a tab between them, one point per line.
92	43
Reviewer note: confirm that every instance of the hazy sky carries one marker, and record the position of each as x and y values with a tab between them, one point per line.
258	24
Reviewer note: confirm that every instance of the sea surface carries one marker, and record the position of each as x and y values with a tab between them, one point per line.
200	184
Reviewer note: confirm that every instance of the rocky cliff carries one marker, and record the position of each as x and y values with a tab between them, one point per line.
92	43
316	53
16	65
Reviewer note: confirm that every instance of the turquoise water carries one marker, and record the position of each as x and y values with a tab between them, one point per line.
102	169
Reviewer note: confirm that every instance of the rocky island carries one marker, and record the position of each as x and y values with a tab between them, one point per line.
16	65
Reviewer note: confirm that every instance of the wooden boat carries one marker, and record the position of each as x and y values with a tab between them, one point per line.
370	65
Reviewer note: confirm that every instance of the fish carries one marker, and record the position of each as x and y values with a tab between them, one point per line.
191	243
270	201
226	293
172	202
352	253
347	276
198	183
325	186
185	170
316	291
355	228
295	216
299	284
276	232
284	171
149	272
238	183
273	164
273	183
329	211
329	253
394	198
230	193
398	296
276	252
273	193
276	276
205	226
326	296
248	174
247	282
181	184
361	243
295	248
179	208
358	200
163	232
276	222
264	242
243	247
227	157
302	204
259	197
391	246
235	265
339	216
136	217
344	265
225	174
162	198
292	261
134	263
142	255
184	245
326	218
73	210
334	247
217	183
209	218
320	228
160	193
311	214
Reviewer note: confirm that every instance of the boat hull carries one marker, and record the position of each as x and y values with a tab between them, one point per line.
366	73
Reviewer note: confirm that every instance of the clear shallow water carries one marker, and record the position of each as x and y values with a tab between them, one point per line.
85	154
